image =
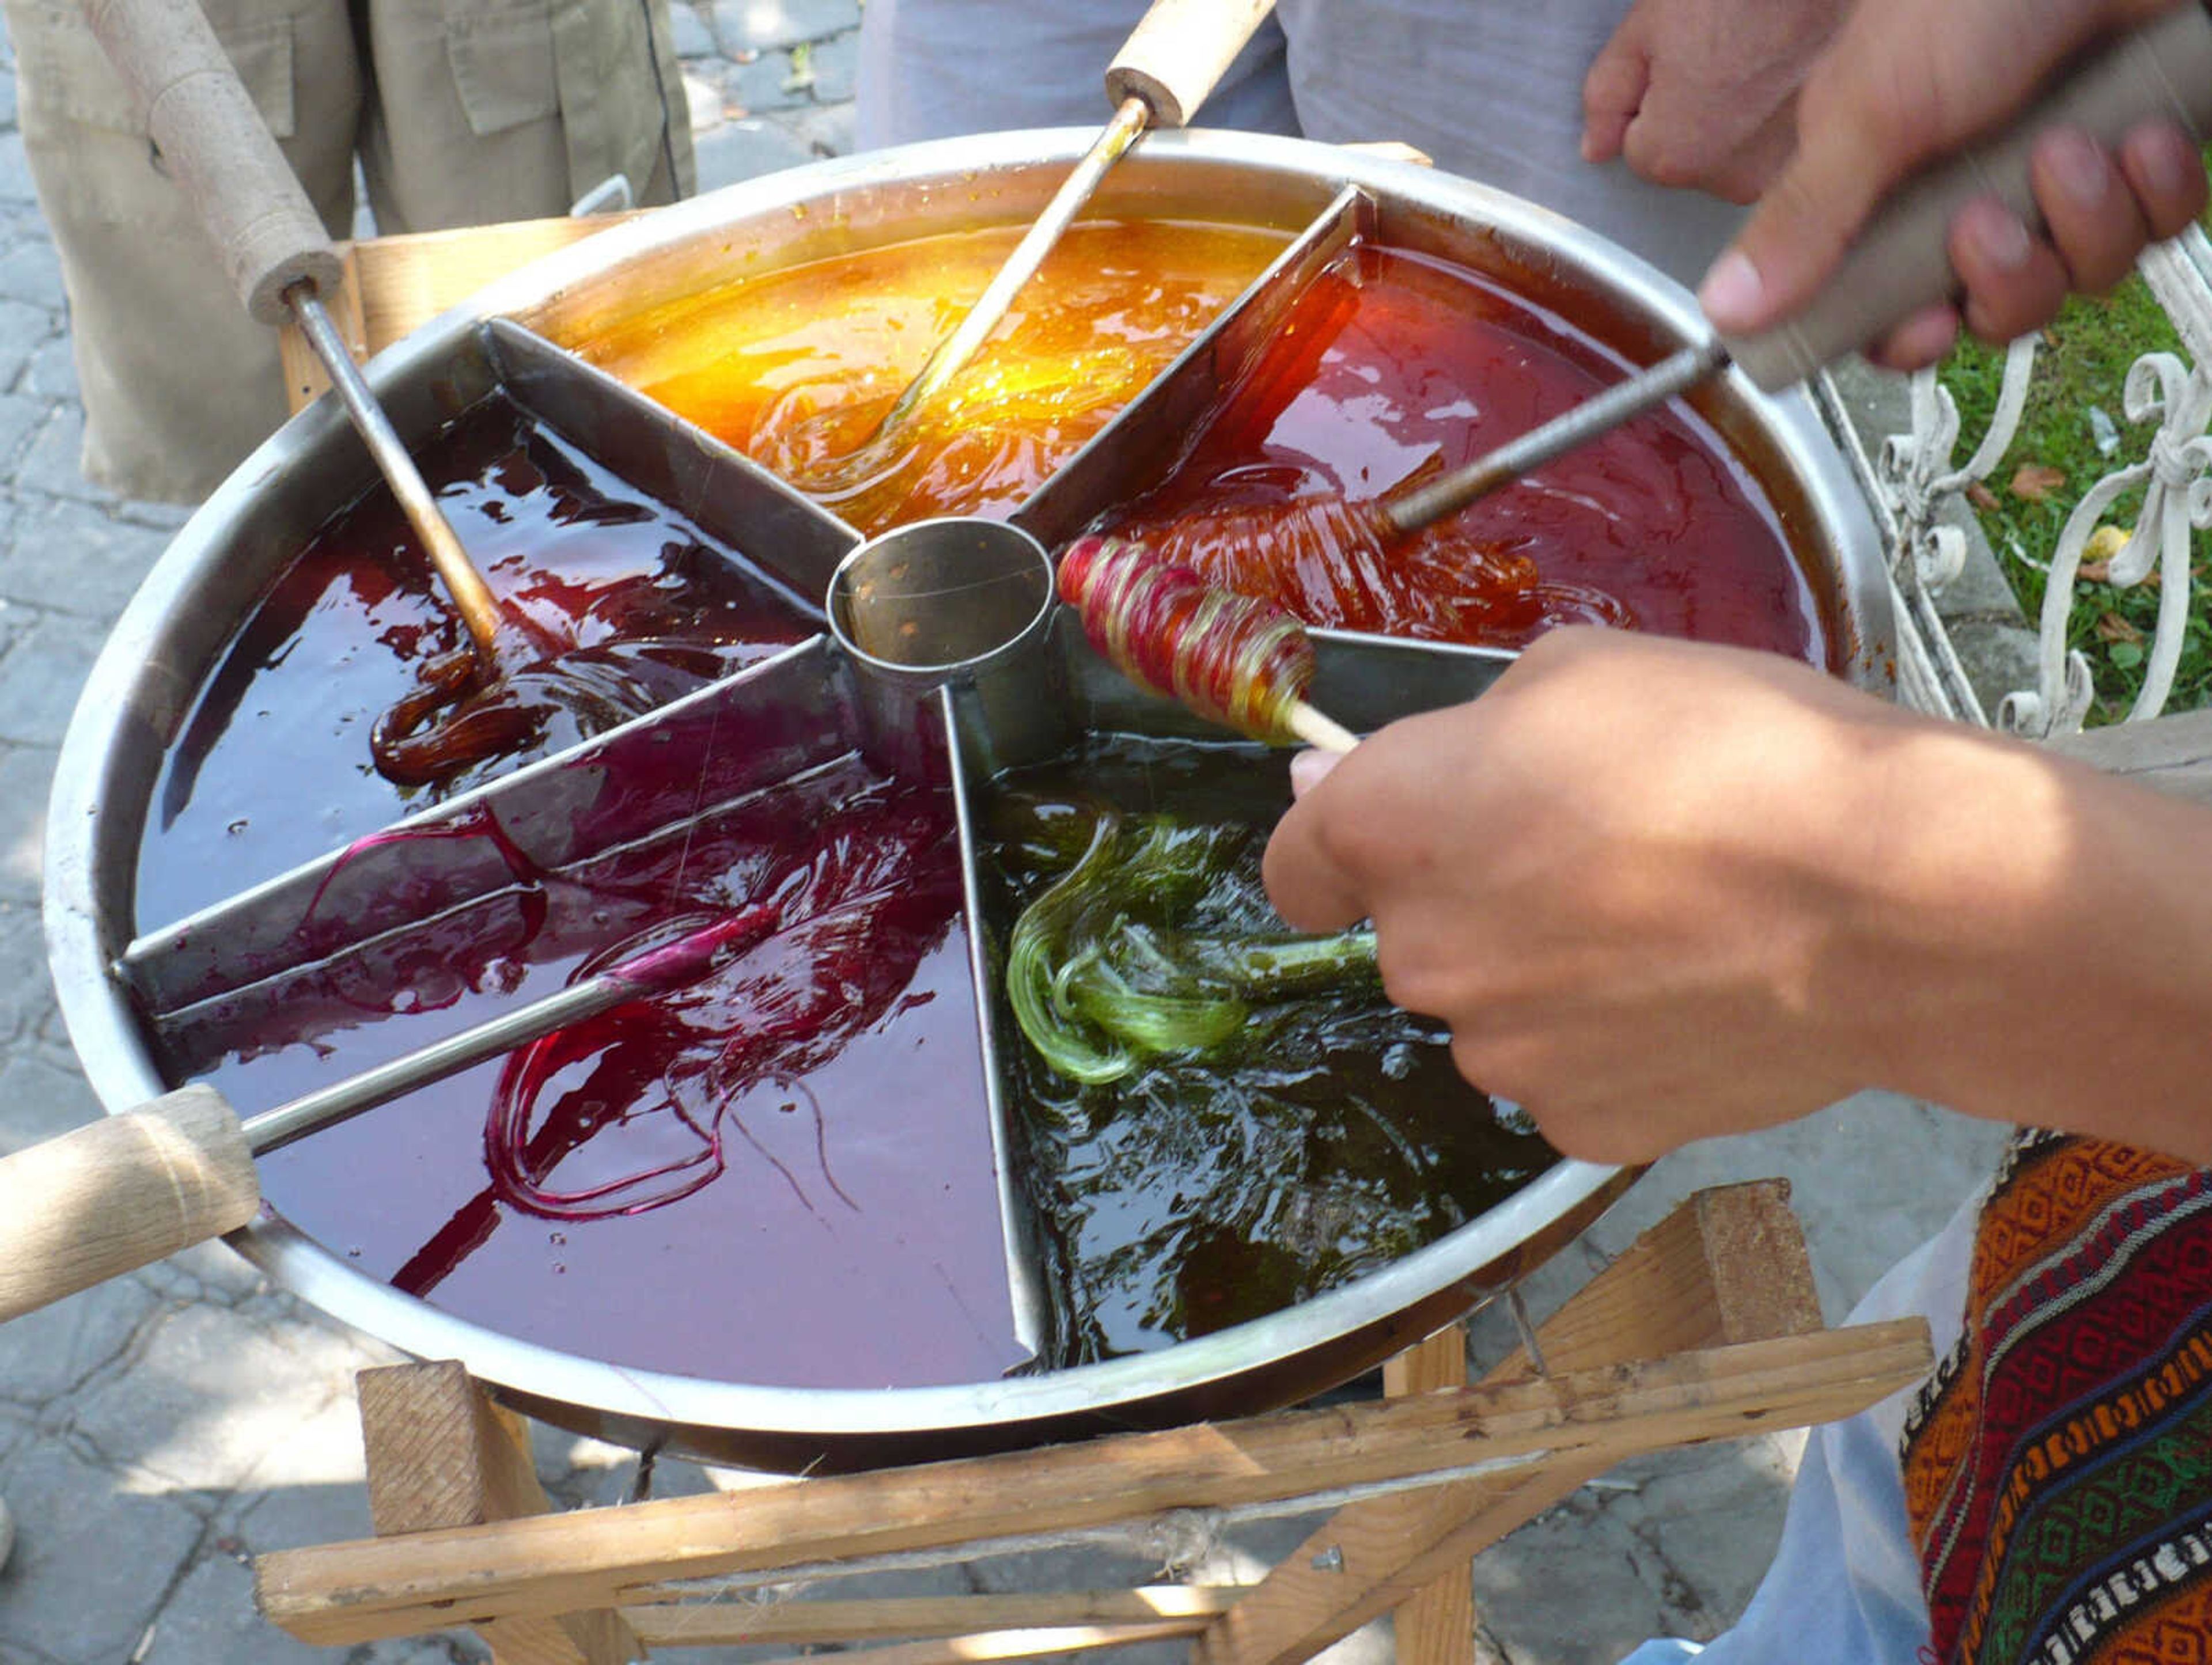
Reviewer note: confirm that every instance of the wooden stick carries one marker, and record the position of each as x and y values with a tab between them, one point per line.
1177	1610
1727	1266
441	1455
1319	731
362	1591
1435	1625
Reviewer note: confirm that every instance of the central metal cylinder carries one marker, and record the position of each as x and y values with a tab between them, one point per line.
957	601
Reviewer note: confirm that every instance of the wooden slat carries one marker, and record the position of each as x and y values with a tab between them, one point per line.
2173	754
1009	1644
440	1455
1435	1625
1188	1608
1727	1266
361	1591
394	285
304	378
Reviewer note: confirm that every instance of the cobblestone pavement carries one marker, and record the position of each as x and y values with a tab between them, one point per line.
159	1432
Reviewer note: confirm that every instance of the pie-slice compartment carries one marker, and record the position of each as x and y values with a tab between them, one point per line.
798	366
1314	1133
1390	346
787	1173
635	560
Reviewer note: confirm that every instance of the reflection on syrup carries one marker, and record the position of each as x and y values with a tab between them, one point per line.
1393	365
813	1108
798	368
615	603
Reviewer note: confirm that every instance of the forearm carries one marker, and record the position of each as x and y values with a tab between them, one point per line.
2038	944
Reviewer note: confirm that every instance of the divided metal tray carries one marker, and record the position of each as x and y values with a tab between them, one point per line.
112	974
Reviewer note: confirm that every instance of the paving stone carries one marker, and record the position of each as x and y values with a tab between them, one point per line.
42	674
450	1648
214	1404
39	1100
26	776
91	1559
24	329
744	150
744	26
1717	1510
15	185
826	130
20	417
204	1272
694	35
46	1354
78	558
767	84
51	371
27	994
1566	1588
52	463
29	271
211	1616
835	62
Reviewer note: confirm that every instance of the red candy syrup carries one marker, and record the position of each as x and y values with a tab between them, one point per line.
1393	364
778	1174
272	767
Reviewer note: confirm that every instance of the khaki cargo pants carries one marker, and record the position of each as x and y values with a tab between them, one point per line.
462	113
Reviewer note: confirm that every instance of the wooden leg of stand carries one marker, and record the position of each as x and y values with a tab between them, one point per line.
1437	1625
1728	1266
441	1454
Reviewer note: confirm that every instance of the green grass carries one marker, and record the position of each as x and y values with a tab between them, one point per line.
2083	362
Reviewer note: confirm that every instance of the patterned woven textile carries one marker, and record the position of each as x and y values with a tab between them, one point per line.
2058	1465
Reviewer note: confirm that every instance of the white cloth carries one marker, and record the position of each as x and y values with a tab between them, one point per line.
1492	92
1845	1586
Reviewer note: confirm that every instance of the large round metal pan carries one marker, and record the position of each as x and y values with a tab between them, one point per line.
223	558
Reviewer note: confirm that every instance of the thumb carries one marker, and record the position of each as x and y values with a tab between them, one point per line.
1902	84
1803	222
1309	889
1309	769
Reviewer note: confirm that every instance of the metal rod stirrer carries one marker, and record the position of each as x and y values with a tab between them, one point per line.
472	596
1595	415
640	977
952	354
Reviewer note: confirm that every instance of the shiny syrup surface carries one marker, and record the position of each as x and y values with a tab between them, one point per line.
796	368
779	1175
1393	365
272	767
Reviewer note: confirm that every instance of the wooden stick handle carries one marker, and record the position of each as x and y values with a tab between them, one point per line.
214	144
1901	262
1320	730
1178	52
119	1193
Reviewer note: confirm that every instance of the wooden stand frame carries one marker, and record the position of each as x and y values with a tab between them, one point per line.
1706	1328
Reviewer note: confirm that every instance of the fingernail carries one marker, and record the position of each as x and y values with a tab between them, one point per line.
1996	231
1733	292
1309	768
2077	162
2165	160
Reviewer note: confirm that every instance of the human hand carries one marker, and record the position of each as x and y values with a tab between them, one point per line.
1702	92
1660	891
1902	84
